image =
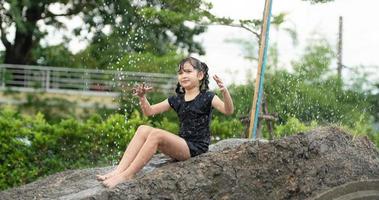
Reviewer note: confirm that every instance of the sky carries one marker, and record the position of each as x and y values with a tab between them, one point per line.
360	36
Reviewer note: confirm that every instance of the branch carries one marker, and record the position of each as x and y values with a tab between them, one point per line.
246	28
235	25
52	15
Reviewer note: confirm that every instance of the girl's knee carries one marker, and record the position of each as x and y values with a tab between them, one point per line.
143	127
155	137
144	130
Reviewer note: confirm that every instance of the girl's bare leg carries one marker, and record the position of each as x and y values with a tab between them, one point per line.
132	150
168	143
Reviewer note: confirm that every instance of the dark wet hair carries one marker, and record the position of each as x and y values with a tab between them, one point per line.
198	65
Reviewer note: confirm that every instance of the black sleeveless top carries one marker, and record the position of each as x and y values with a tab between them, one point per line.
194	117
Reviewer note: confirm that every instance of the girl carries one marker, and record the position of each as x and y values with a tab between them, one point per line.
193	104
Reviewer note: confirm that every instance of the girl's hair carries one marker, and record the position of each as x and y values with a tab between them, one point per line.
198	65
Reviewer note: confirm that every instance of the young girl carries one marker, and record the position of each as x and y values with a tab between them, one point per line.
193	104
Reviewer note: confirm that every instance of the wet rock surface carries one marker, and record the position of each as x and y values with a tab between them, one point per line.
295	167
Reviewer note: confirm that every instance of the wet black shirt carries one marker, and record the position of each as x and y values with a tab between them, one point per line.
194	117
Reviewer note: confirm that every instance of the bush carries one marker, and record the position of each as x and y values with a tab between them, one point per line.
223	129
31	147
167	125
375	138
361	127
293	126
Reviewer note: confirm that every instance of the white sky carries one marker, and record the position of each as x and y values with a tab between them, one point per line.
361	33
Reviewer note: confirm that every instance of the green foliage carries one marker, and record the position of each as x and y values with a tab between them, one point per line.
167	125
118	27
223	129
56	56
311	94
176	12
373	99
53	109
242	97
375	138
315	61
323	102
362	126
31	147
148	35
293	126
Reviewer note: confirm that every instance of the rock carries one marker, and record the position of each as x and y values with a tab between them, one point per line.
227	144
294	167
366	189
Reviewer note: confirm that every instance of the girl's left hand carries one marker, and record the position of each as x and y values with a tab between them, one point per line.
219	83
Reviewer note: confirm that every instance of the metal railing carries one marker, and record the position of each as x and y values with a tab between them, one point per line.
74	80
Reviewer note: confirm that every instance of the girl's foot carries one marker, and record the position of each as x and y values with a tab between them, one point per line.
106	176
115	180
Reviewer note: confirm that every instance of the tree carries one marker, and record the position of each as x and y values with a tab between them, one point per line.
24	17
157	23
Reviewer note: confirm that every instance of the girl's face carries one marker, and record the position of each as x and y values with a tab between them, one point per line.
189	77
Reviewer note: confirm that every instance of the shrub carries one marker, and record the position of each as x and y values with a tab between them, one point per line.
222	129
293	126
31	147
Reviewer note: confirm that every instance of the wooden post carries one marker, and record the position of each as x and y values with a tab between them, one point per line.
254	115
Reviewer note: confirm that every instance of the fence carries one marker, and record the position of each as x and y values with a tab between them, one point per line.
83	81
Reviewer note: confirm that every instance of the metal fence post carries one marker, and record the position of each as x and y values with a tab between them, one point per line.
47	79
3	77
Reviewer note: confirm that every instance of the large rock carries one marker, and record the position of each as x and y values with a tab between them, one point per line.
295	167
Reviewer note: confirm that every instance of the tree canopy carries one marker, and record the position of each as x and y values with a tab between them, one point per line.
134	26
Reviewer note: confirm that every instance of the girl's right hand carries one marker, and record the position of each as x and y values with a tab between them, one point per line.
140	90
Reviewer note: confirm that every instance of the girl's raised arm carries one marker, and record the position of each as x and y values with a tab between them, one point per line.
227	106
146	108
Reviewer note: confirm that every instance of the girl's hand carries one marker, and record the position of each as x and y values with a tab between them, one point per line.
140	90
219	83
